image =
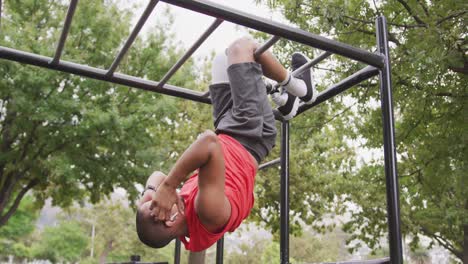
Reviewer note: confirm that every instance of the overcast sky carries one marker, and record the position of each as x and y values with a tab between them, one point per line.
189	26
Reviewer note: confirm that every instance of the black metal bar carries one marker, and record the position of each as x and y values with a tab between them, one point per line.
133	35
312	63
177	252
371	261
65	30
284	194
393	202
257	52
266	46
135	258
192	49
269	164
100	74
343	85
322	56
219	251
278	29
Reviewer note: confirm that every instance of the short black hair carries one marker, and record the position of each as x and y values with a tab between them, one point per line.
151	233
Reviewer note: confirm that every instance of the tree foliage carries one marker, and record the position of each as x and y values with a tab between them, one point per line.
65	242
73	138
14	235
429	70
115	236
307	248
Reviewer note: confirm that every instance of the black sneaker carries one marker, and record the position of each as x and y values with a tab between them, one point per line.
299	59
287	107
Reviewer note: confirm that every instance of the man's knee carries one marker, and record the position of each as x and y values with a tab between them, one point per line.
158	173
156	178
219	69
209	139
242	50
208	136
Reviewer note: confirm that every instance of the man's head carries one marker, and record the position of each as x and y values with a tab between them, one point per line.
157	234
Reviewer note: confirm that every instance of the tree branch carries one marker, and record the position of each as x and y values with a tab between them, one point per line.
7	139
425	164
19	197
28	141
410	11
463	70
443	243
391	37
8	188
446	94
341	112
454	15
390	23
424	7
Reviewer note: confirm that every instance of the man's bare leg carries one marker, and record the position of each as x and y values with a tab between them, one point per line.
242	50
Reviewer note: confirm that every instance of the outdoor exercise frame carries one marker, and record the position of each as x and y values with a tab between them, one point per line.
379	64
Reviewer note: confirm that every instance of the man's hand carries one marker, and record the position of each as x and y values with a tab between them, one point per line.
163	200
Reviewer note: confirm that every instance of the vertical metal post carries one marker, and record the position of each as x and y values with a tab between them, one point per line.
177	252
393	204
93	234
284	194
220	251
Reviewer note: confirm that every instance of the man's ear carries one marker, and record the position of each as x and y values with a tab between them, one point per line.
169	223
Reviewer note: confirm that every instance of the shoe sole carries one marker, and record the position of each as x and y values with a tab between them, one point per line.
314	90
314	96
293	110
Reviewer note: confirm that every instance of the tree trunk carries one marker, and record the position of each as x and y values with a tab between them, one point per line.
105	252
197	257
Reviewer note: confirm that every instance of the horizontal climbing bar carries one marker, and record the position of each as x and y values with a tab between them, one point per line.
371	261
190	51
259	51
281	30
100	74
343	85
312	63
65	30
322	56
269	164
136	30
266	46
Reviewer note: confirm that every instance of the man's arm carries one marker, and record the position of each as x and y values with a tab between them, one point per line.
212	206
154	180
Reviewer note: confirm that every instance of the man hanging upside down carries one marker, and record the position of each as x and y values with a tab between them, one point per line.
219	195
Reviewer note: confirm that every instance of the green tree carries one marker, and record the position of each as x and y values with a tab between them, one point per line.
72	138
420	256
429	71
14	235
64	242
311	248
115	236
307	248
